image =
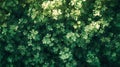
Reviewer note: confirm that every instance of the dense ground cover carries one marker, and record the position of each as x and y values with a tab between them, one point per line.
59	33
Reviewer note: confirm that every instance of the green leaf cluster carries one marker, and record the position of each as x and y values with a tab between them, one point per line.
59	33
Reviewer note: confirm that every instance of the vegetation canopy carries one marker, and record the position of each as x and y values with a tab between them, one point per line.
59	33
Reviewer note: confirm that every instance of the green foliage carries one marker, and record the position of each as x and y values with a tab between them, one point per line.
59	33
